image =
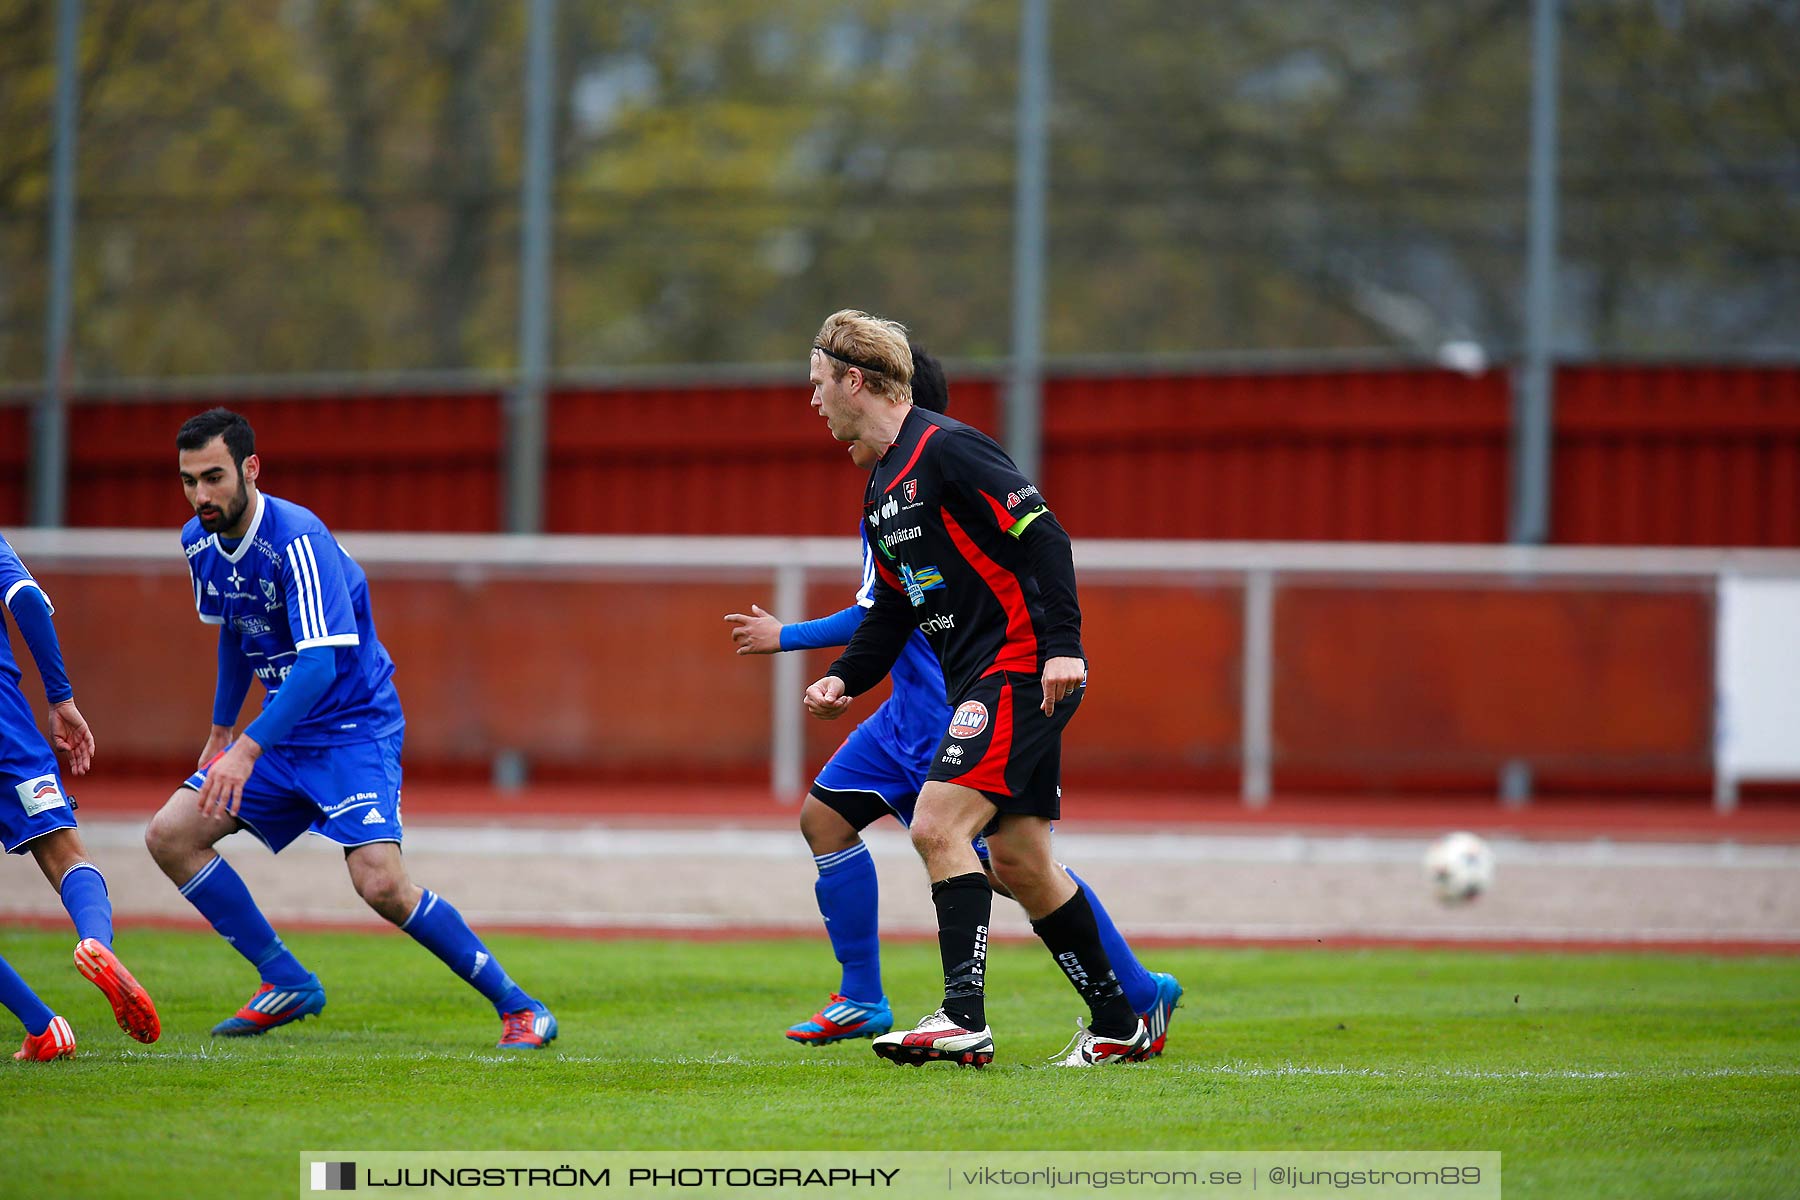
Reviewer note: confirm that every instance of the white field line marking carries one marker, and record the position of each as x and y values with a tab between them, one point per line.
1245	1070
608	842
681	922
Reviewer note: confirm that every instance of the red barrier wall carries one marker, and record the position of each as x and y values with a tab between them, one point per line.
1358	455
1644	455
1383	686
1677	456
428	462
15	448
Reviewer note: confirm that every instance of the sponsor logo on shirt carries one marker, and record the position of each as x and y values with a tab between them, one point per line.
970	719
938	624
210	589
889	541
887	511
250	626
1014	499
40	795
919	580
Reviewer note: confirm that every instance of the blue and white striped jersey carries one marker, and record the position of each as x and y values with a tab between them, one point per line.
286	587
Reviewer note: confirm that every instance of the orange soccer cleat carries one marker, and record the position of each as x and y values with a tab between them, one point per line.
130	1002
57	1041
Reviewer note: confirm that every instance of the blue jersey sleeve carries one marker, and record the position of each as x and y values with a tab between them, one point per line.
318	599
835	630
31	609
840	626
306	681
234	678
13	575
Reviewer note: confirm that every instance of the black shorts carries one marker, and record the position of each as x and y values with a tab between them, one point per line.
1001	744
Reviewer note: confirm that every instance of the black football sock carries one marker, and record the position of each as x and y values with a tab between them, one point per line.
1074	941
964	905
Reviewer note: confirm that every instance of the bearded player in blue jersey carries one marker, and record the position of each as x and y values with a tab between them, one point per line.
878	772
323	756
36	819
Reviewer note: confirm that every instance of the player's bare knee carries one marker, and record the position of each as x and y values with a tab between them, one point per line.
387	892
165	836
825	830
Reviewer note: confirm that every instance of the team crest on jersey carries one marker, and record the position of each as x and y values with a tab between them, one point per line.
271	599
911	488
40	795
970	719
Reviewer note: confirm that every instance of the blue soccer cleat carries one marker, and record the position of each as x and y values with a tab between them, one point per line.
840	1020
1156	1021
528	1029
273	1006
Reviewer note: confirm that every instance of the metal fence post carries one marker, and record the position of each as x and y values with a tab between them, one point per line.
1534	396
1024	385
50	422
787	684
525	415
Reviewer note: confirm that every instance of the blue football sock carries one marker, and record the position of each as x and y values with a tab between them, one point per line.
220	895
24	1004
849	900
436	925
1139	988
84	895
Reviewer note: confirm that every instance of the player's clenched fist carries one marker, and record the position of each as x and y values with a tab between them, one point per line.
825	699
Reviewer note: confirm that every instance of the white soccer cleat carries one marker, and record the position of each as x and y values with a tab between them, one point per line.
1090	1048
938	1039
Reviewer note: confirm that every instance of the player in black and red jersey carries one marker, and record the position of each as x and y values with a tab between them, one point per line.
967	551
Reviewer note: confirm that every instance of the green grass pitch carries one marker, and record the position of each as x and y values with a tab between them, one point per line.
1626	1075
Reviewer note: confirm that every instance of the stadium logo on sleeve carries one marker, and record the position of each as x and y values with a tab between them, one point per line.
970	719
40	795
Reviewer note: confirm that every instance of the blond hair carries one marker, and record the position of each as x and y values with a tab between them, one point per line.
874	345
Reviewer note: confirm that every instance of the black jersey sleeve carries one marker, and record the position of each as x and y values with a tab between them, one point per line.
992	485
877	642
1052	557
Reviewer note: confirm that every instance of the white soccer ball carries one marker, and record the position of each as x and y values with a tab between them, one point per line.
1460	867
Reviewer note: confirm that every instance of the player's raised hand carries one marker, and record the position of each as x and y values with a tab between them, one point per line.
1061	677
223	791
70	733
825	699
757	633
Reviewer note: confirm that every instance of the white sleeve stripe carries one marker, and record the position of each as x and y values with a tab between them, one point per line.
29	582
317	592
336	639
206	620
293	555
303	581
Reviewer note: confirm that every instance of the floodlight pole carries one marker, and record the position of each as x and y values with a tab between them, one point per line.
1025	383
50	422
1534	391
525	404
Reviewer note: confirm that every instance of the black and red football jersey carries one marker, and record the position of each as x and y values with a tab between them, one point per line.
967	551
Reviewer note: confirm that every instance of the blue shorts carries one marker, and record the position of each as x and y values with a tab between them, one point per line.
348	794
871	763
32	800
